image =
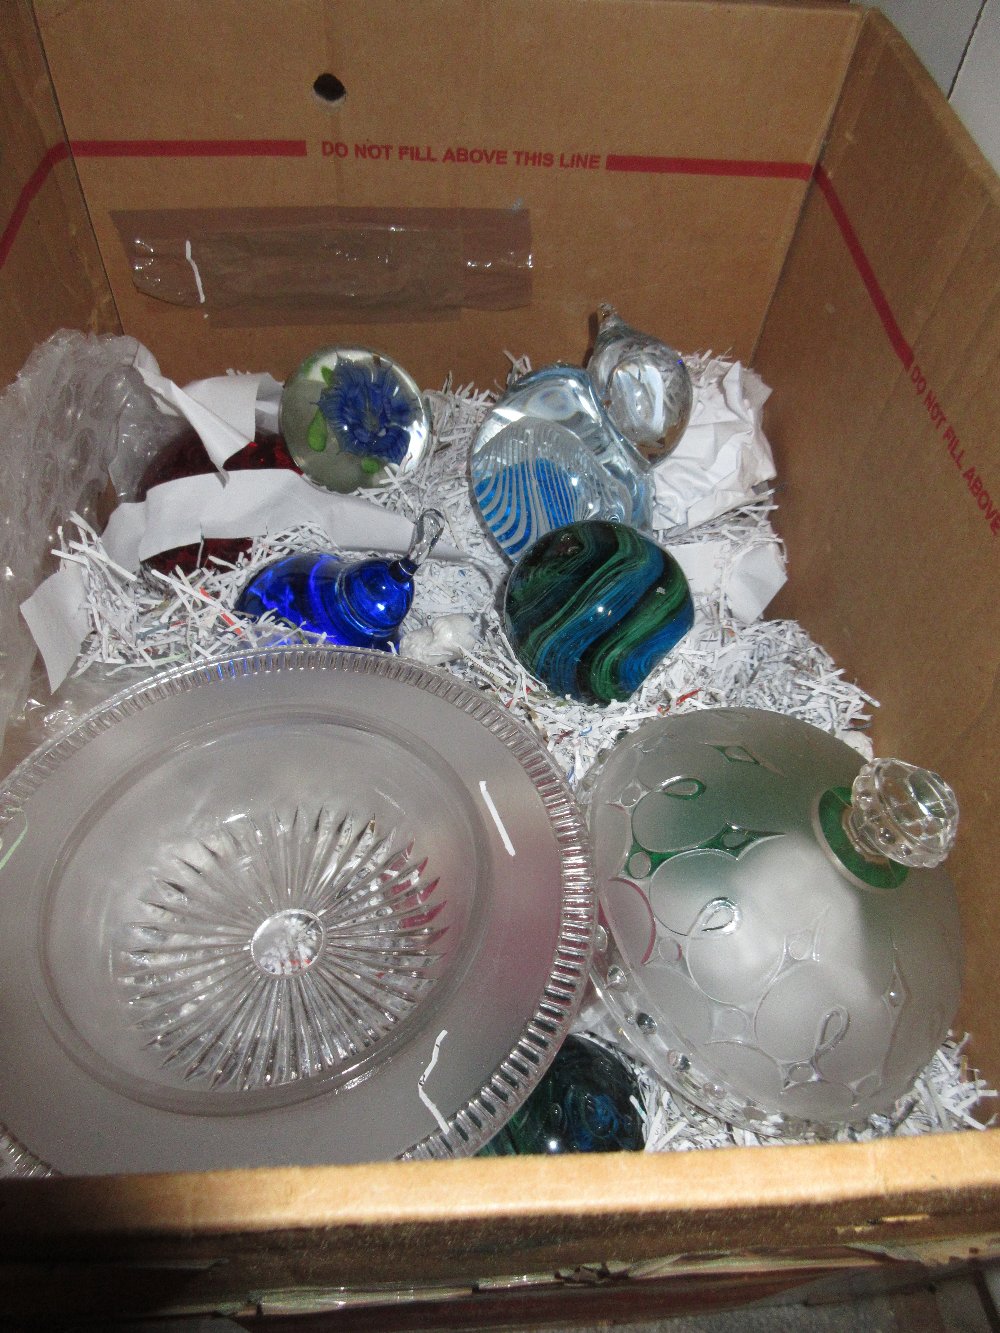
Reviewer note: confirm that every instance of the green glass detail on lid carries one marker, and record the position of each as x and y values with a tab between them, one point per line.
832	810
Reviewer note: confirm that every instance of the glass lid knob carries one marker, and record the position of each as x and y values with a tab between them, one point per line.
902	813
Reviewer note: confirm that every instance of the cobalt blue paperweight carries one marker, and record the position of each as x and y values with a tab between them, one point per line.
357	603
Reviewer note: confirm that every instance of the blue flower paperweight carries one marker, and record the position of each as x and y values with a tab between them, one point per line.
533	476
357	603
564	396
349	415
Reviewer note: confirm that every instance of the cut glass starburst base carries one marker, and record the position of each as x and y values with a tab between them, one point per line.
278	948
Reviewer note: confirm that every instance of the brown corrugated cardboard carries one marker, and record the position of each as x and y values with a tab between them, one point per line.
712	173
888	425
50	271
690	195
234	1236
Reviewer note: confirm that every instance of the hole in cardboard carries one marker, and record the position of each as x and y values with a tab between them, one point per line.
329	89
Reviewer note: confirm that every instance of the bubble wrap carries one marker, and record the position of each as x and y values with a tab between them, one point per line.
77	411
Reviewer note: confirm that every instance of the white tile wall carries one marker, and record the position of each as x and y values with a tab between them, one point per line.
976	92
959	42
938	30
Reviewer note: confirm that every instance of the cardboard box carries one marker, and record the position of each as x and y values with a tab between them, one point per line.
778	181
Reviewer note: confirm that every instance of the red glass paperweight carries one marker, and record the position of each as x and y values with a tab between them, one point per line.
185	456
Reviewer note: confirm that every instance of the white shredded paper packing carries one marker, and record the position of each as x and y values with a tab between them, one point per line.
151	620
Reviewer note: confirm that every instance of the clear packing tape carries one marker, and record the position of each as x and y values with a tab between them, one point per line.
279	266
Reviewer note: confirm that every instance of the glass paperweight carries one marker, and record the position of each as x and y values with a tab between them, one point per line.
359	603
564	396
765	954
592	607
643	384
185	456
533	476
588	1102
349	414
306	906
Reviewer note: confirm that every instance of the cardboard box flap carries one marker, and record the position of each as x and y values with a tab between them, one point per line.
51	274
881	346
683	138
637	154
465	1220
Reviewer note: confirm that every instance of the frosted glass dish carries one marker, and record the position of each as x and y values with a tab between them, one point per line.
783	943
295	907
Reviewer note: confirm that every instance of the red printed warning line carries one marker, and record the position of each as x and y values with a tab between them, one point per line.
59	152
709	166
620	162
715	166
988	507
878	298
189	148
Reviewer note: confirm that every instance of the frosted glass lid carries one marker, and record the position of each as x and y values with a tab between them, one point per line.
772	973
303	907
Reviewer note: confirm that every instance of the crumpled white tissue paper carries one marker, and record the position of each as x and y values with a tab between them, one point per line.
748	577
225	410
723	457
